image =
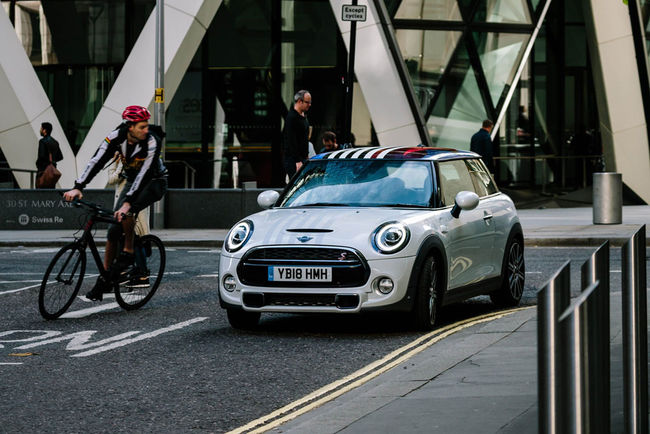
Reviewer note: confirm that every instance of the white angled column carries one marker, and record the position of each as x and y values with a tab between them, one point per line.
24	105
618	91
379	79
186	22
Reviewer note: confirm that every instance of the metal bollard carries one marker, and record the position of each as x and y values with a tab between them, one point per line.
596	269
578	351
552	299
635	334
608	198
235	172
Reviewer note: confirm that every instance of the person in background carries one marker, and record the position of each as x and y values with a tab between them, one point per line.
48	149
481	143
329	142
295	135
117	177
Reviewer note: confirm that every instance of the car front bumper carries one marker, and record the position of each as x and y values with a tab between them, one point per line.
319	299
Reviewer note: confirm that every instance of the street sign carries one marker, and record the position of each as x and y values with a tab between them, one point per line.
354	13
160	95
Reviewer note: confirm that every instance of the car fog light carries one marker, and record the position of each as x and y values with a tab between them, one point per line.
385	285
229	283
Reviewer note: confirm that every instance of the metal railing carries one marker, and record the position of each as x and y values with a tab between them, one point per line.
573	345
635	334
190	172
563	160
32	174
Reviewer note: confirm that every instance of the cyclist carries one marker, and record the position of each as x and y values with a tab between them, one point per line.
138	146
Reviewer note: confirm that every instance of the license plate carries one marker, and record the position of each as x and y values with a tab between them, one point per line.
300	274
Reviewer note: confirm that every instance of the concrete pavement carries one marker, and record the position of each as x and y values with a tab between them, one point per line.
542	227
476	377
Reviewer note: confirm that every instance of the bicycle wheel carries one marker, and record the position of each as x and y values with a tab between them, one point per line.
142	280
62	281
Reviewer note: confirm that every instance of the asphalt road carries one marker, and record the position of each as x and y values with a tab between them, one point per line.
176	365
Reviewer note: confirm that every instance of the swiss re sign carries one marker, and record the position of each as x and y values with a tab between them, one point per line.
353	13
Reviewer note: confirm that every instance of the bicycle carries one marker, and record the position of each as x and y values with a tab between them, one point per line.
133	289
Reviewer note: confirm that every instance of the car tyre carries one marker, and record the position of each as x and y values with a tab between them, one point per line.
514	275
240	319
426	299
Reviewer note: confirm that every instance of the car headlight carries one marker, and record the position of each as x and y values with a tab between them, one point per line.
238	235
391	237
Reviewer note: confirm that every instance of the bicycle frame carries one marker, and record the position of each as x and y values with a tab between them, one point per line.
132	287
87	240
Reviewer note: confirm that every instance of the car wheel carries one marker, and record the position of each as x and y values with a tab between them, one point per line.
240	319
513	273
426	301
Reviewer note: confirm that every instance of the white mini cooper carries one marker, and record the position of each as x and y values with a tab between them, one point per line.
405	229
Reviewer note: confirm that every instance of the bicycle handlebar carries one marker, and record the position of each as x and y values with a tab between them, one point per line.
92	206
105	214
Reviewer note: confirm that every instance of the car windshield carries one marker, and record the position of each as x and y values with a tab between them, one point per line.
371	183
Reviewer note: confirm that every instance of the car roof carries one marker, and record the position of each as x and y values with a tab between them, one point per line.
396	153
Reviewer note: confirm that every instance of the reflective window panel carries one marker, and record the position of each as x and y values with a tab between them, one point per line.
459	109
429	10
426	53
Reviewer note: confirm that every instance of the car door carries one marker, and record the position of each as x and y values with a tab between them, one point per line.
470	237
494	212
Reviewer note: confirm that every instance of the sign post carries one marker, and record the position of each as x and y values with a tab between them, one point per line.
159	102
352	13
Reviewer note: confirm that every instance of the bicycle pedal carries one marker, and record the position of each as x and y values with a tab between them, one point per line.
138	282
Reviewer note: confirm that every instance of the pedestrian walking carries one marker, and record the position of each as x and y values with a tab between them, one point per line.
49	152
295	135
481	143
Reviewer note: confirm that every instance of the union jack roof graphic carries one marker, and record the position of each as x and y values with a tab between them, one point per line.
396	153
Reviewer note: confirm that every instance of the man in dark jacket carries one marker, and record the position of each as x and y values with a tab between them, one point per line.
47	146
295	136
481	143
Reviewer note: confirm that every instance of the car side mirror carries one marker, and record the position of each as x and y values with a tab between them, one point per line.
267	198
464	200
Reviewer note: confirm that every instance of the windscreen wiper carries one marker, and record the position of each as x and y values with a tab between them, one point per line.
405	205
324	204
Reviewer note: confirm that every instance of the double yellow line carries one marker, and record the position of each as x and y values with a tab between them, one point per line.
363	375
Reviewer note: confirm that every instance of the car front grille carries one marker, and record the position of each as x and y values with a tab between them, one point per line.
261	300
349	267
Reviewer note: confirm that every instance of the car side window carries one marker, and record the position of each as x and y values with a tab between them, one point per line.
483	184
454	177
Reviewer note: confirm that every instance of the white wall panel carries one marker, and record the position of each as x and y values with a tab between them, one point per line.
618	89
379	79
185	24
402	136
24	105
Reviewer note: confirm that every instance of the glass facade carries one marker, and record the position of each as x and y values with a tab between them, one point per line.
462	58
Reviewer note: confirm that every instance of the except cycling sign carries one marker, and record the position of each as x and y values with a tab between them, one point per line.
354	13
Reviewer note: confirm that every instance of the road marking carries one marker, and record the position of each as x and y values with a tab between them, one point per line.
363	375
79	340
533	272
11	363
89	311
169	273
19	289
14	274
20	281
208	275
205	251
152	334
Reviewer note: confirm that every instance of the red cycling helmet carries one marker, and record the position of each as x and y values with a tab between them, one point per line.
136	113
